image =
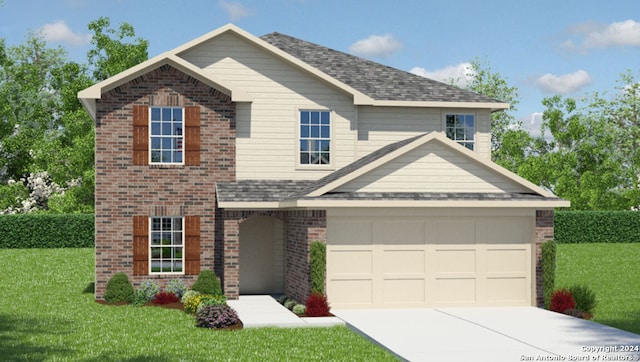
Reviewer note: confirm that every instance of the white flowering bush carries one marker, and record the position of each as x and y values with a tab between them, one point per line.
32	193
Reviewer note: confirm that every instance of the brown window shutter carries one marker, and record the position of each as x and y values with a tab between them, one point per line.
192	136
192	245
140	245
140	135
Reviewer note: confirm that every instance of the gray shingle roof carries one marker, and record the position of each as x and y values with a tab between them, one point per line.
375	80
259	190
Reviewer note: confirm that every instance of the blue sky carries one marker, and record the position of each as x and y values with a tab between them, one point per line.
542	47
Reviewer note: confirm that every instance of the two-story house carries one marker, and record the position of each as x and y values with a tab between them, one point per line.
234	152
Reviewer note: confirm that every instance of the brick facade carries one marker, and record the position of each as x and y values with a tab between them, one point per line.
124	190
544	233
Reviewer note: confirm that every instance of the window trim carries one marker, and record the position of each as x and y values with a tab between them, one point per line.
331	139
182	136
474	142
151	247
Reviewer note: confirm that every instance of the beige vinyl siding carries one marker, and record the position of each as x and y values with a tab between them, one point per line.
380	126
432	167
267	128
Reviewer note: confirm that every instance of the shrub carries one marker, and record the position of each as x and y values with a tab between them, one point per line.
317	305
207	283
217	316
585	298
562	300
290	303
299	309
147	290
177	287
165	298
548	263
119	289
317	266
283	299
191	303
47	231
208	300
597	226
138	299
188	294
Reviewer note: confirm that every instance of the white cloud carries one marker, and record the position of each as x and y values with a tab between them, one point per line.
377	46
598	36
235	10
532	123
60	32
459	74
563	84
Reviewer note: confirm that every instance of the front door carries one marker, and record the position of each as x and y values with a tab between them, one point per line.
262	256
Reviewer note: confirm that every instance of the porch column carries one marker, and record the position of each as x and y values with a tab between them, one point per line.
231	283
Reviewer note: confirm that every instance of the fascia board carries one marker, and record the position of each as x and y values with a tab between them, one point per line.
541	204
498	106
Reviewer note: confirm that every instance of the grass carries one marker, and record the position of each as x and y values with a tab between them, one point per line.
612	271
47	313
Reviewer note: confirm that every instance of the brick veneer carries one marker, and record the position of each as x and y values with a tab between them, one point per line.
124	190
544	233
302	228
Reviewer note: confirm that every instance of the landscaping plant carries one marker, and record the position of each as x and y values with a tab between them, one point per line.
148	289
548	262
208	300
207	283
299	309
177	287
192	302
188	294
119	289
561	301
165	298
217	316
290	303
317	266
317	305
585	298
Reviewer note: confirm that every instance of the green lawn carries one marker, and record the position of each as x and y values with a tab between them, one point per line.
613	272
47	312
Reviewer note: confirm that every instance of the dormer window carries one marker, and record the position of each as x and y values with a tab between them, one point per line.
461	128
315	137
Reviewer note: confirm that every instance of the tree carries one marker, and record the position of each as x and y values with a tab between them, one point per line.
110	55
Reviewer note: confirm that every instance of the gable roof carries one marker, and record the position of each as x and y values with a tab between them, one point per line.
368	82
376	80
325	192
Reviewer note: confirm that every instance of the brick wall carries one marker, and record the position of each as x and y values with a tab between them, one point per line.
302	227
124	190
544	233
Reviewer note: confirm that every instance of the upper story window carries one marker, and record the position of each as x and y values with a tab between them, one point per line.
166	245
315	137
167	135
461	128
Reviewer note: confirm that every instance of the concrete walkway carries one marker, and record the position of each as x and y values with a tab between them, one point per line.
490	334
265	311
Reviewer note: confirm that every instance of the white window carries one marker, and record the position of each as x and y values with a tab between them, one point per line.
166	245
166	135
315	137
461	128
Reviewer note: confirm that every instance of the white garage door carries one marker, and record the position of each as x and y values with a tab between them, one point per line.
472	259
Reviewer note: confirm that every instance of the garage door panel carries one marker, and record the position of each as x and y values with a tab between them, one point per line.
404	261
398	232
507	290
403	291
509	230
354	232
455	291
455	261
351	291
507	261
350	262
455	232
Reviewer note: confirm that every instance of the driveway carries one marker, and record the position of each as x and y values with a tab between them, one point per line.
491	334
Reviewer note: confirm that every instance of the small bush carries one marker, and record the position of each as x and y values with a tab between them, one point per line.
148	289
283	299
207	283
585	298
317	305
290	303
188	294
548	263
119	289
191	303
562	300
299	309
177	287
165	298
317	266
208	300
217	316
